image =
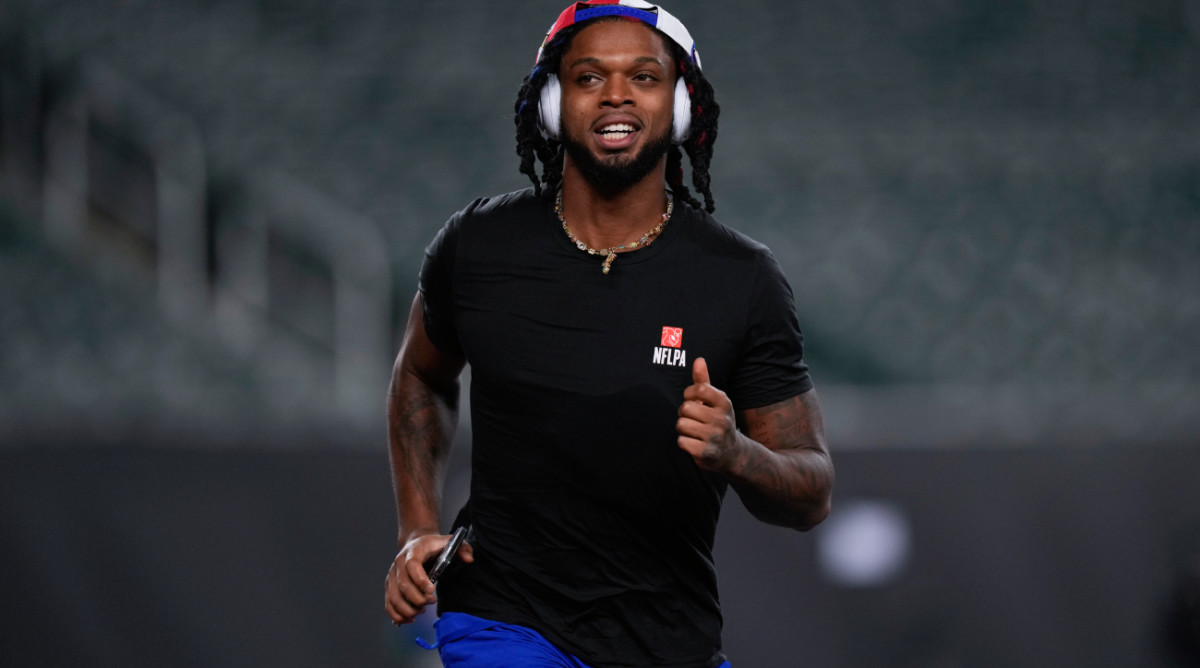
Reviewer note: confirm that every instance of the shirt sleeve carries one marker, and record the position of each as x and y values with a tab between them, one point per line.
436	286
771	367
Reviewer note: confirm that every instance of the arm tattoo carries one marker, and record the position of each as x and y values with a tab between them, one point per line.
789	479
421	424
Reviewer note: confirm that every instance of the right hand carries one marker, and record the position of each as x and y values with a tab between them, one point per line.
407	587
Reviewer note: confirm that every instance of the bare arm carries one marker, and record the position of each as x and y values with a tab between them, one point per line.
778	462
788	478
422	408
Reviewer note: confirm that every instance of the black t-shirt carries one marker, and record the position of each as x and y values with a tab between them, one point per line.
591	525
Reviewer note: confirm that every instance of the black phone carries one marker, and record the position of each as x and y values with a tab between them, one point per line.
447	554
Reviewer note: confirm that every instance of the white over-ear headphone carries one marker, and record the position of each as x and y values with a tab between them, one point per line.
550	110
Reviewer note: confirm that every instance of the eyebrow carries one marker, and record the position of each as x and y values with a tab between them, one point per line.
590	60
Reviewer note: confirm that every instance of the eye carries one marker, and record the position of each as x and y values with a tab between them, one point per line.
644	76
587	78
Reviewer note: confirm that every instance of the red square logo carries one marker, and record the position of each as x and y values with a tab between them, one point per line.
672	337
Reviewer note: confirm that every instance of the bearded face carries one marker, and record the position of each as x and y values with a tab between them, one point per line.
618	97
616	172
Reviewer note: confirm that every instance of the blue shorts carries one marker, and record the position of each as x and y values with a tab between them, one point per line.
466	641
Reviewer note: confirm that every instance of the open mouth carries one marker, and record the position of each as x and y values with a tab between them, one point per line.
616	131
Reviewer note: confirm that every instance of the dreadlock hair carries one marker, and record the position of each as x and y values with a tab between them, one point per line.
533	146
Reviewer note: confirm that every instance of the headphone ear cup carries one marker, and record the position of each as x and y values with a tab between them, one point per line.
550	107
683	113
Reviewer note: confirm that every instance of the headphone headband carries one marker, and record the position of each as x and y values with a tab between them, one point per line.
645	12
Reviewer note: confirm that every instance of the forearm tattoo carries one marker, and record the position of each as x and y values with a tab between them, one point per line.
790	481
421	423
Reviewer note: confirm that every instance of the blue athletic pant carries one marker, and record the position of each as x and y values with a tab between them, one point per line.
466	641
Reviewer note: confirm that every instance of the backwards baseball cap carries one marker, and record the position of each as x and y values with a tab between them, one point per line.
635	9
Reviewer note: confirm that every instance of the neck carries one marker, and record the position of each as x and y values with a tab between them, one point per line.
602	219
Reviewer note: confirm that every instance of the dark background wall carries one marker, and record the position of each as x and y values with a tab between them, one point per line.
211	217
1046	557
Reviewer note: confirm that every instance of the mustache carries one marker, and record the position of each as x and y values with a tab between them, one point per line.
616	173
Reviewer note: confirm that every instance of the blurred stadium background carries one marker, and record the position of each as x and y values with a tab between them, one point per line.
212	213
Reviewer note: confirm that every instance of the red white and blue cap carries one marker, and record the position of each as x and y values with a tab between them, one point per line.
635	9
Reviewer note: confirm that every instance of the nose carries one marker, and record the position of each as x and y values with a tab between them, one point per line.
616	93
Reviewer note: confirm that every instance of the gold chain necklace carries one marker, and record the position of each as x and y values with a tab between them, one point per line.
610	254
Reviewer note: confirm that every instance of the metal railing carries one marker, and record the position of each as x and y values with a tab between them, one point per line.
214	268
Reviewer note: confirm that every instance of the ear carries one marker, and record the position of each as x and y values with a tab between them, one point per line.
550	107
683	112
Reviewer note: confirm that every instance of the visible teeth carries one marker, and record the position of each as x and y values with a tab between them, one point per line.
616	131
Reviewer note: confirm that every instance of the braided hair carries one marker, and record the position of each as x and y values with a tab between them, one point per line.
533	147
